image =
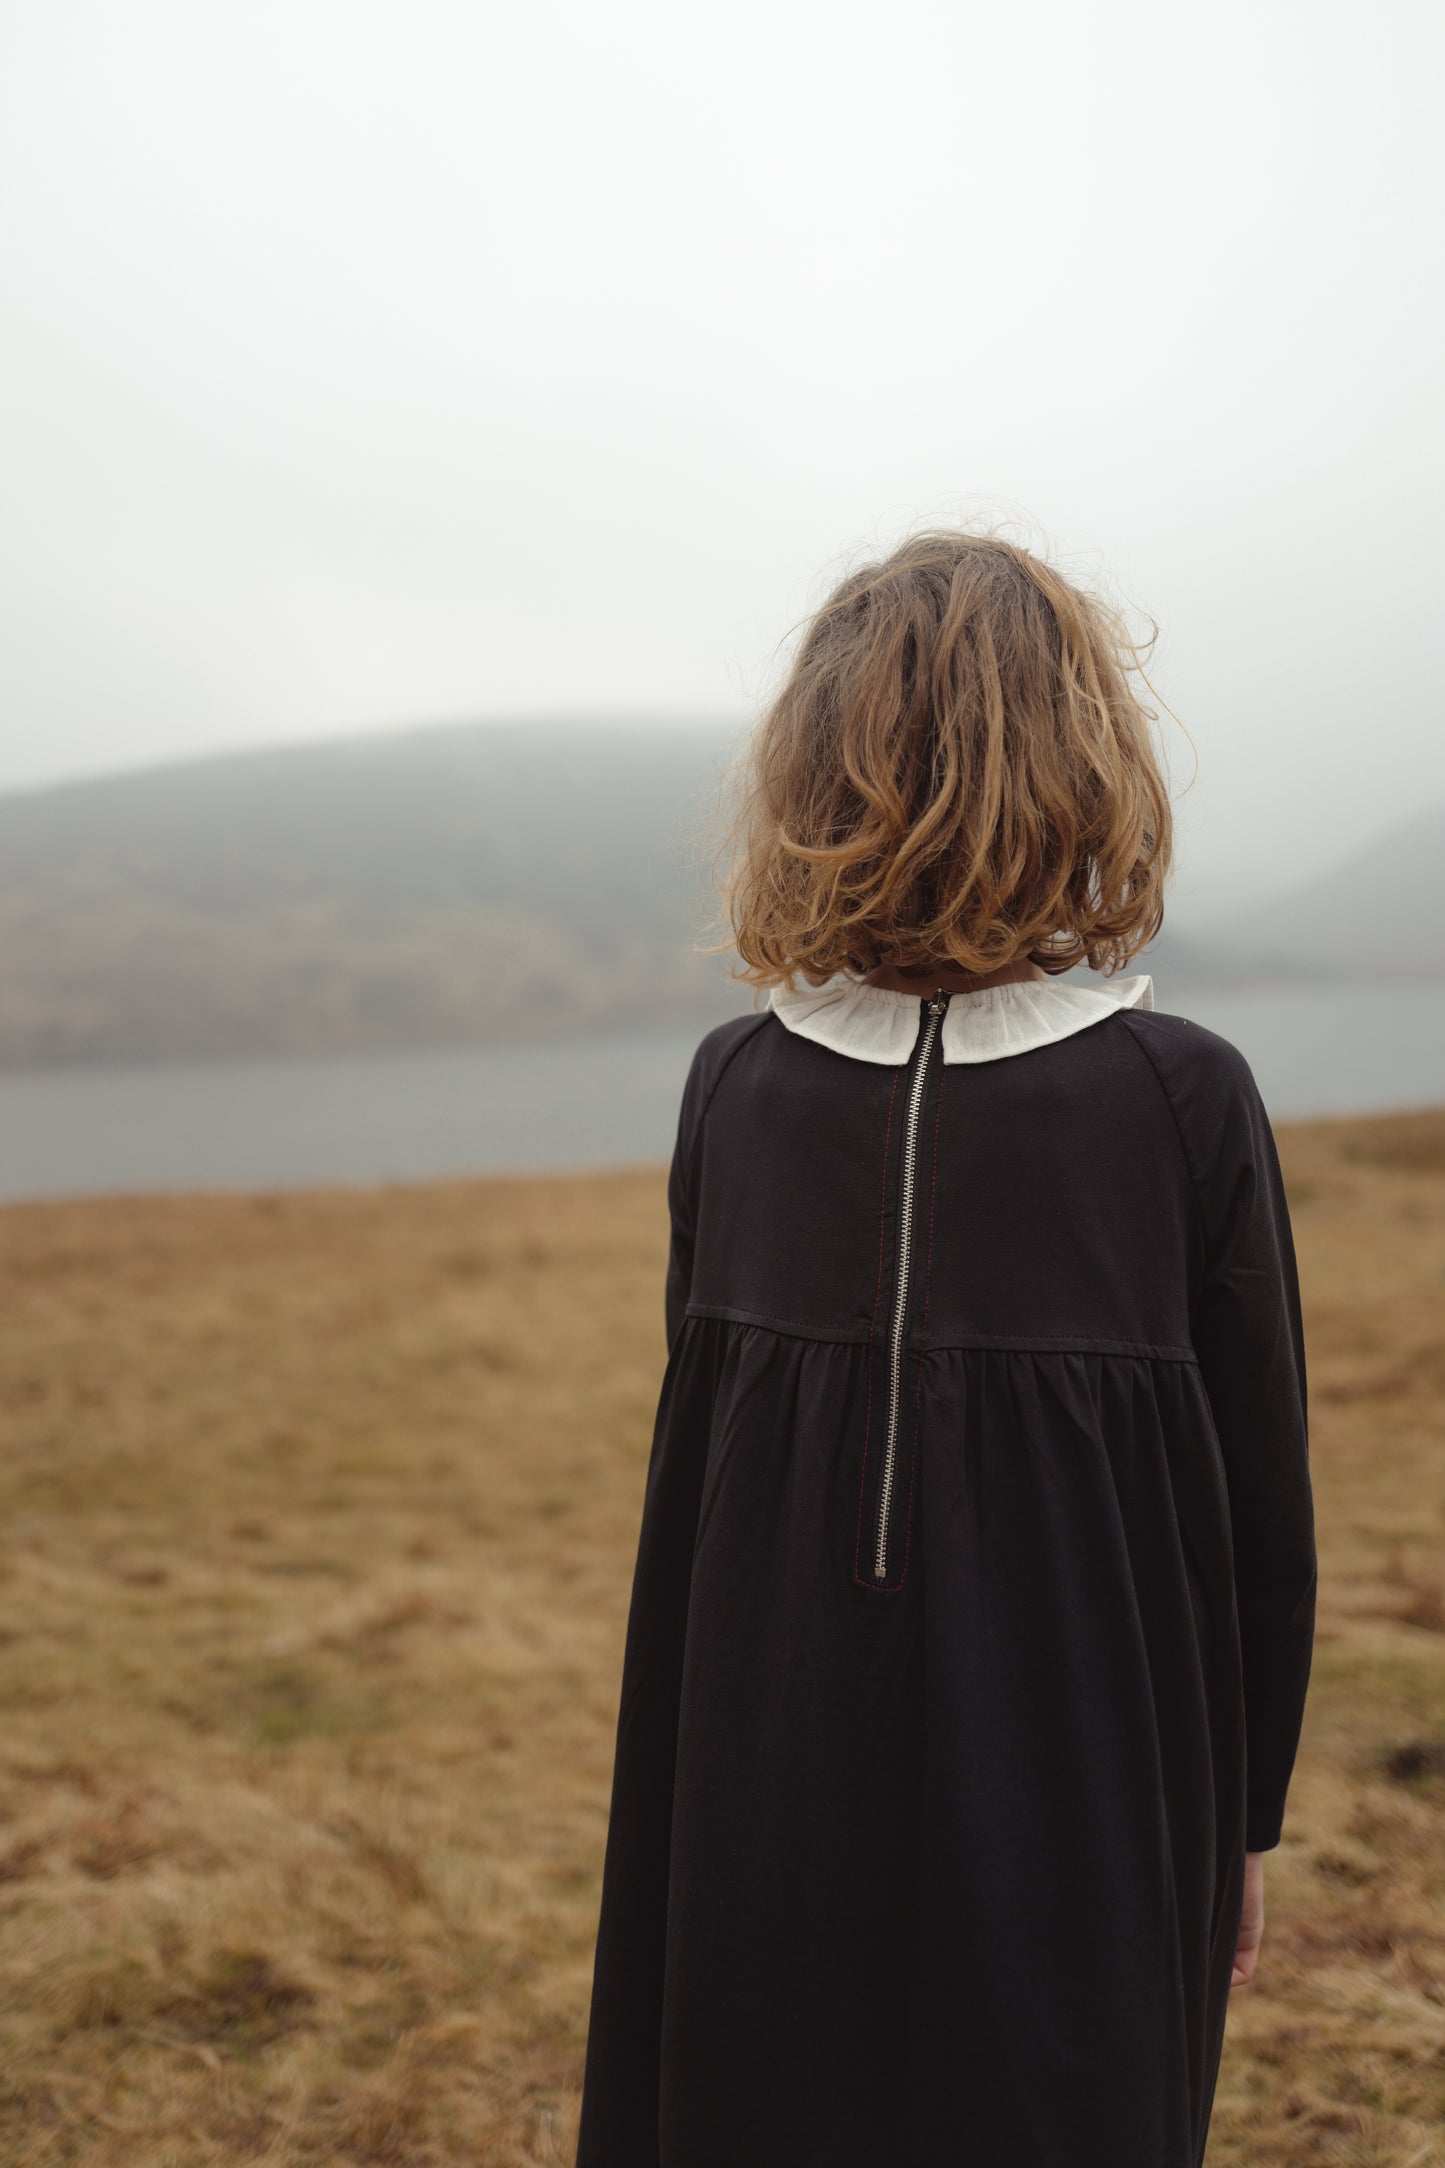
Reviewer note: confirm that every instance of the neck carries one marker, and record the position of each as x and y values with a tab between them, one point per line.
955	982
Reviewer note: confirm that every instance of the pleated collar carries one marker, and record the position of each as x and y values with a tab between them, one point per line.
873	1024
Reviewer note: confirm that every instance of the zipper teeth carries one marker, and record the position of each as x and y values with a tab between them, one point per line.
900	1306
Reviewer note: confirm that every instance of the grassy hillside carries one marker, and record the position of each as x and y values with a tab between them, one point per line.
318	1515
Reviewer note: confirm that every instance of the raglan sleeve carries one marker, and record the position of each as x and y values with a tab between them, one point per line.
682	1201
1249	1336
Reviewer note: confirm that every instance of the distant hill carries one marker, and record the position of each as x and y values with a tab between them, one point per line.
1379	913
426	887
456	884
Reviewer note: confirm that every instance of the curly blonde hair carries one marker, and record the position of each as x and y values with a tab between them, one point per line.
956	772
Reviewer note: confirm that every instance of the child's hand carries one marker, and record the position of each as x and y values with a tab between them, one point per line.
1251	1921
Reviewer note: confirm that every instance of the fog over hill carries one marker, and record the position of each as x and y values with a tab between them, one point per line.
467	883
1380	913
426	887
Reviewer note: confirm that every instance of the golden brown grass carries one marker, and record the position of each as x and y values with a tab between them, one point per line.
319	1515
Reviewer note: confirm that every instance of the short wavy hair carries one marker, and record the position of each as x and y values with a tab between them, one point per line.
956	772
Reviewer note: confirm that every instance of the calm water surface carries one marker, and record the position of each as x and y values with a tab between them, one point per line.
579	1103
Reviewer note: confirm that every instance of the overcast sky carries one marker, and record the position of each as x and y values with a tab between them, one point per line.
367	365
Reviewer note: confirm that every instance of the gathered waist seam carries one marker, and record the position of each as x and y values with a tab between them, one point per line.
861	1335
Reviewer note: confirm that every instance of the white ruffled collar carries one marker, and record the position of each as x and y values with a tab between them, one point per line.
873	1024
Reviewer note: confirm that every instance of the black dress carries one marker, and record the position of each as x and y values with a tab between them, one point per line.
974	1601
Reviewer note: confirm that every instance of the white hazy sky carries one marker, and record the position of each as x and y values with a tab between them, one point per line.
375	364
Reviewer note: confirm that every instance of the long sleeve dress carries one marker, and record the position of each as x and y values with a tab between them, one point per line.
974	1599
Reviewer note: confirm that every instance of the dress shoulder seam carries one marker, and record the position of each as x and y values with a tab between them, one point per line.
743	1038
1137	1039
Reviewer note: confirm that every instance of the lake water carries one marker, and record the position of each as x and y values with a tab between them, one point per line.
579	1103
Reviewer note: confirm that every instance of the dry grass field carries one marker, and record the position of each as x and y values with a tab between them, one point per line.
318	1520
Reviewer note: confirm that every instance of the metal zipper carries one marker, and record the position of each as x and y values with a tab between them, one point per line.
932	1016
